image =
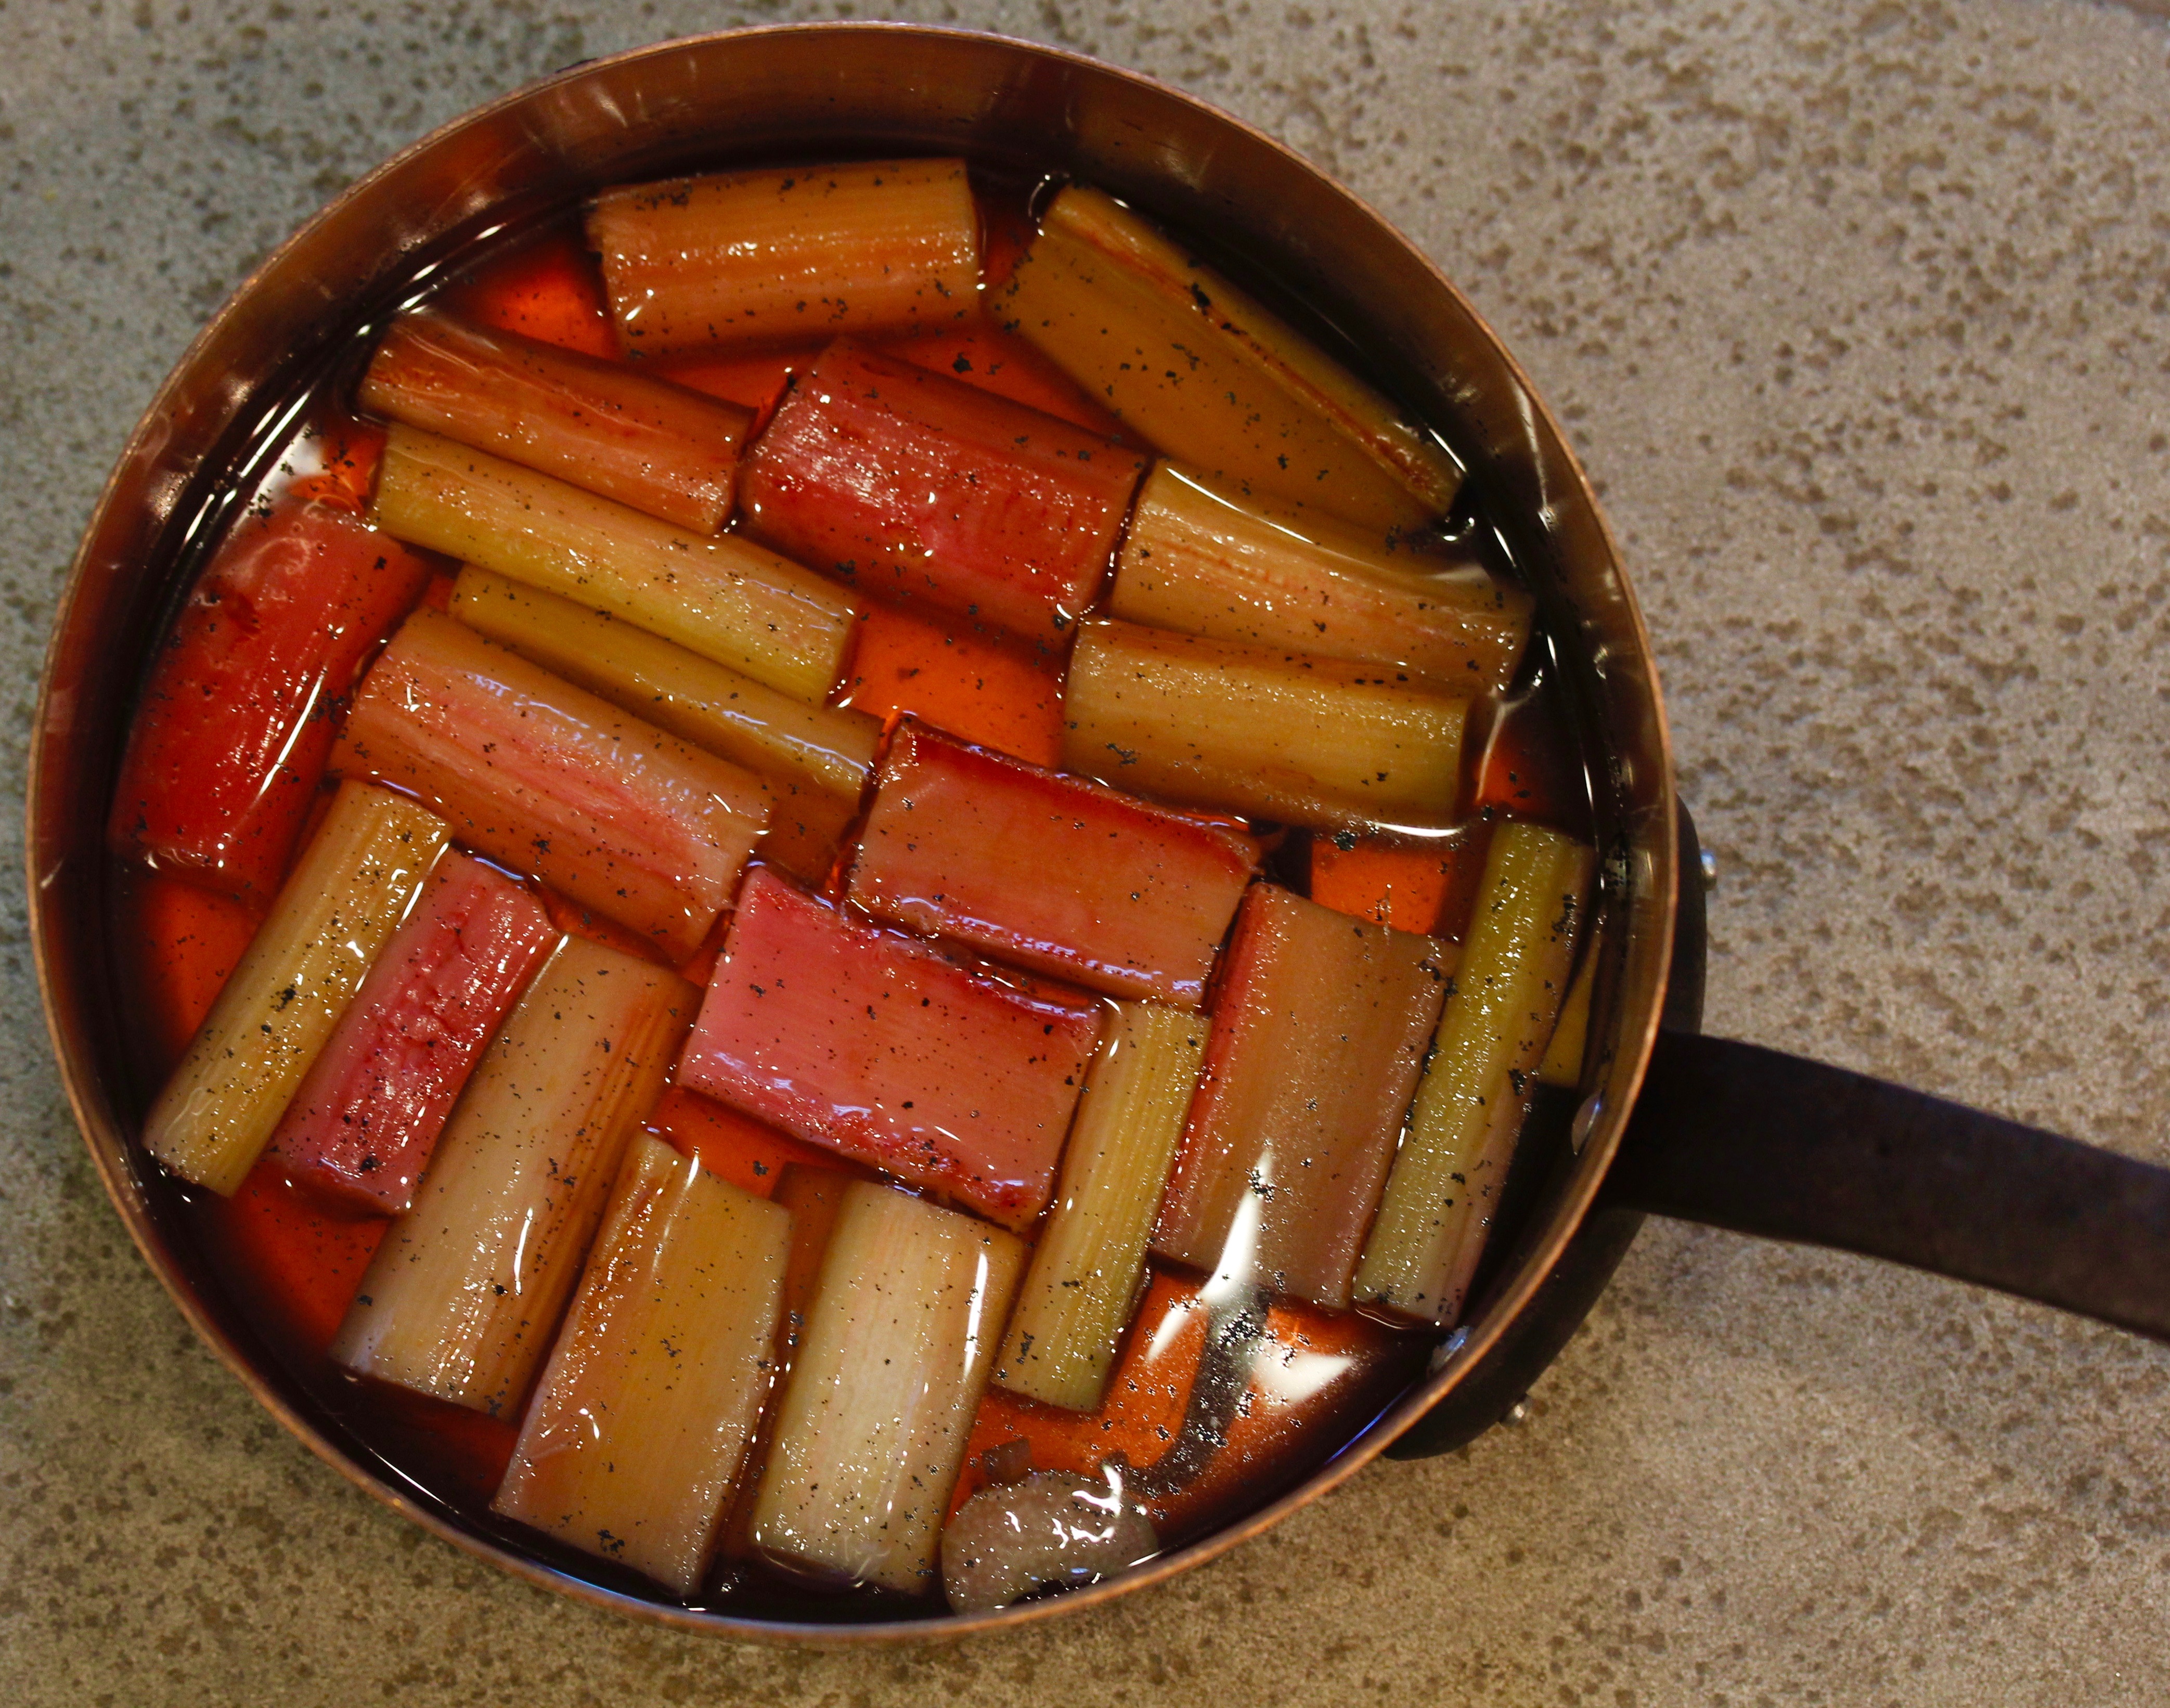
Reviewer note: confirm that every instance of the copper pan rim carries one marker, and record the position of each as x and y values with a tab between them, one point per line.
55	789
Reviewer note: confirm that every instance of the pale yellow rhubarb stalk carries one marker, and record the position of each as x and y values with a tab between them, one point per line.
1198	560
640	1425
1570	1039
1492	1036
870	1435
1202	371
1089	1267
1281	735
812	1197
719	595
464	1294
797	252
812	760
352	885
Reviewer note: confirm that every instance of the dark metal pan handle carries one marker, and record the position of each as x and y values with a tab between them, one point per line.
1748	1139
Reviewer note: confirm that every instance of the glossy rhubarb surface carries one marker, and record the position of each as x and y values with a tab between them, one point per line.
229	740
1320	1027
642	827
662	449
360	1128
916	488
739	257
882	1048
1054	872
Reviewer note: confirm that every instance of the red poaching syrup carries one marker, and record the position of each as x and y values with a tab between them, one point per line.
1307	1378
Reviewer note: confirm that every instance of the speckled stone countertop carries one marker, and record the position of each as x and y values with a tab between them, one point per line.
1858	315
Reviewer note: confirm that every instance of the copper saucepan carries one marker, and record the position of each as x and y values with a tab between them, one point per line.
1720	1132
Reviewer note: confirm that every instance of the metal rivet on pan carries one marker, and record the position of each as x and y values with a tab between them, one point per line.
1709	872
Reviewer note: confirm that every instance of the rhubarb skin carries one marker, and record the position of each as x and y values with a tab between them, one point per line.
884	1050
360	1128
1195	558
1195	366
643	828
645	1414
1320	1027
661	448
1063	876
916	487
463	1297
1326	743
229	740
741	257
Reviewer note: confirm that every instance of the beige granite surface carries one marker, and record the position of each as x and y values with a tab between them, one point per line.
1859	314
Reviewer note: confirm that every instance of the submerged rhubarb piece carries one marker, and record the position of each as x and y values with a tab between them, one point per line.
1064	875
800	252
814	761
1203	371
1319	1030
1492	1038
916	487
882	1048
870	1433
360	1128
531	771
661	448
641	1422
1324	742
357	877
1195	559
719	595
463	1296
1088	1267
228	742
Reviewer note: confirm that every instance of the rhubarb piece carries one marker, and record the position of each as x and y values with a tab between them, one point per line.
722	597
871	1431
813	1195
885	1049
358	876
800	253
814	761
1044	1532
362	1128
1053	873
640	1425
661	448
1492	1038
1303	740
464	1294
229	739
1195	559
1570	1038
918	487
536	773
1204	373
1318	1035
1089	1267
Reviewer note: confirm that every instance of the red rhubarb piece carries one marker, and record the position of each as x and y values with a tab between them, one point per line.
362	1125
636	826
1064	875
1320	1027
230	737
600	424
883	1048
918	487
